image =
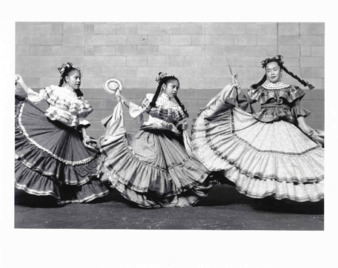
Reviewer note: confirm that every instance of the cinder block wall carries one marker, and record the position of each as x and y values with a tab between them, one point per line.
197	53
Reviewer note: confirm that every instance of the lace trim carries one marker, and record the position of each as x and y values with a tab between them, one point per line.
245	172
67	162
278	85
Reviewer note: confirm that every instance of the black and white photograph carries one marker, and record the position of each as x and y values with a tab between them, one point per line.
135	137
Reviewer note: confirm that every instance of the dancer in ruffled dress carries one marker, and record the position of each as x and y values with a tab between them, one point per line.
156	170
269	153
54	155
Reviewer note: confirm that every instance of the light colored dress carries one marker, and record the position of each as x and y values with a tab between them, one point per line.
264	153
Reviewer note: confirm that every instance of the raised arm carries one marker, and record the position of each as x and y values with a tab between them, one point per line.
19	80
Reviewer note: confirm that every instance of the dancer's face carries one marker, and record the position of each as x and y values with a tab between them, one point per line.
273	72
171	88
73	79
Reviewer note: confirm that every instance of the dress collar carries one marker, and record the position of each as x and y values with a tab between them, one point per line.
165	97
278	85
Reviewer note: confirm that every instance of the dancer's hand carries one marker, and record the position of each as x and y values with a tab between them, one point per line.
234	81
119	97
183	125
18	79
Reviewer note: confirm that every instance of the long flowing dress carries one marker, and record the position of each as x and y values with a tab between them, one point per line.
156	169
264	153
51	159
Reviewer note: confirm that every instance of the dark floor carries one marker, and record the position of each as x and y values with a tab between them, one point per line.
224	209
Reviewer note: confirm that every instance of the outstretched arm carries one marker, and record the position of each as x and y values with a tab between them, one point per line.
19	80
121	98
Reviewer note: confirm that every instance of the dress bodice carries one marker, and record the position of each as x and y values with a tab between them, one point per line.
64	105
278	101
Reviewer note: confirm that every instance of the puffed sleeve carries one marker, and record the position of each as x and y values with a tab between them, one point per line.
254	94
298	111
296	95
35	97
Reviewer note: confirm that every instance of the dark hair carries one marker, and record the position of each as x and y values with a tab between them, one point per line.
164	79
279	61
64	70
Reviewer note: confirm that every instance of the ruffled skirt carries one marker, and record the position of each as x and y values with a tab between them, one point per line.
155	171
51	159
262	159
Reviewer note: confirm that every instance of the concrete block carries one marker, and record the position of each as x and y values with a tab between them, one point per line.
137	61
263	51
267	40
317	28
158	60
104	50
108	40
89	50
312	72
220	39
246	40
312	40
137	40
224	28
158	40
305	51
315	94
22	50
73	50
124	28
318	83
147	72
93	82
138	82
126	50
89	28
180	40
288	28
104	28
220	50
260	29
169	28
318	51
190	50
292	62
289	40
198	40
147	50
185	61
169	50
289	51
190	29
56	28
148	28
73	40
312	61
73	28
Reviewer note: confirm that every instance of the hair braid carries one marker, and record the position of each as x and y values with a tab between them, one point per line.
182	106
254	86
302	81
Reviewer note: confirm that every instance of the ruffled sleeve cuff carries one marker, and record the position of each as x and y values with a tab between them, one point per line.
35	96
135	110
254	94
83	123
298	111
296	93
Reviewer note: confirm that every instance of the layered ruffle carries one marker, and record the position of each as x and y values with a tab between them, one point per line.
262	159
298	111
289	93
156	171
51	157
